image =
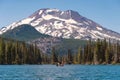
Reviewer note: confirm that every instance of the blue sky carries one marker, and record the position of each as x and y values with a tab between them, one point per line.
104	12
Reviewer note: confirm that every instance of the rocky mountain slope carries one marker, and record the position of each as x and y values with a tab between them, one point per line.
65	24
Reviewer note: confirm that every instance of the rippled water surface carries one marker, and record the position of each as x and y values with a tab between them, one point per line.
52	72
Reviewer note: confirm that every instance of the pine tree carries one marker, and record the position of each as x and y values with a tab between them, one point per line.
96	54
17	59
79	56
2	50
107	55
54	56
70	57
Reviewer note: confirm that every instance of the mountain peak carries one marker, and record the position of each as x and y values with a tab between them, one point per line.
68	14
65	24
43	11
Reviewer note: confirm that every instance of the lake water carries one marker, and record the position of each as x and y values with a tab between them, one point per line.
52	72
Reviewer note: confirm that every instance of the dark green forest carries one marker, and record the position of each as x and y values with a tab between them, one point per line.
17	52
99	52
94	52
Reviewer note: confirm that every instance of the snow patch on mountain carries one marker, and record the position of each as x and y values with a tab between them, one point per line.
40	12
27	20
65	24
48	17
99	28
51	10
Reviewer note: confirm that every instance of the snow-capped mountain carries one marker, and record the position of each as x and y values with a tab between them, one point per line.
65	24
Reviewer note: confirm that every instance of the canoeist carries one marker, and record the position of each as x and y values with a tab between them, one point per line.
60	64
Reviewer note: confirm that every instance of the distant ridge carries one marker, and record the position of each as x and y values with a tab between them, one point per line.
23	32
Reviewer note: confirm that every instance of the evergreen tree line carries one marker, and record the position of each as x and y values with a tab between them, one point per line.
99	52
16	52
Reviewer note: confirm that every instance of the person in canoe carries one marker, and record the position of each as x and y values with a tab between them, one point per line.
60	64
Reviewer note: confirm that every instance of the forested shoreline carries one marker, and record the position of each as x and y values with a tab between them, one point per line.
94	52
18	52
99	52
